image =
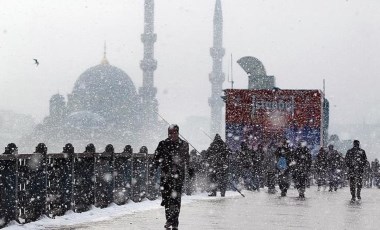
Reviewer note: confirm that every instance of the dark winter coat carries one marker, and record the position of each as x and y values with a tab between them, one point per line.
375	167
356	160
218	155
258	160
321	162
303	161
270	160
334	160
173	157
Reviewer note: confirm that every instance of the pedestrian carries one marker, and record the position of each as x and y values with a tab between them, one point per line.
321	168
333	159
356	160
190	186
172	155
283	156
245	159
203	171
367	175
270	168
375	166
302	159
258	168
234	170
218	154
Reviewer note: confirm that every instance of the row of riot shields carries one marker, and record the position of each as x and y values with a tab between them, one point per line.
38	184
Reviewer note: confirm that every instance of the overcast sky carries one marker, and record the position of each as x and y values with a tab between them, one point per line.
299	42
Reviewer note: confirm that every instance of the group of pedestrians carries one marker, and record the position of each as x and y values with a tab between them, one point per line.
219	169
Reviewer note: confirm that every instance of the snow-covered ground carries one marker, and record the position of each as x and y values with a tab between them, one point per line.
258	210
91	217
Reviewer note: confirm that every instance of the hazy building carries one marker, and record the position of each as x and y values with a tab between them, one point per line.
104	106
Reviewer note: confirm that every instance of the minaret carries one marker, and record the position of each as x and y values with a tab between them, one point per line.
217	76
105	61
148	65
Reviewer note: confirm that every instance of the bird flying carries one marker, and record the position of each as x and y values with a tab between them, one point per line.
36	62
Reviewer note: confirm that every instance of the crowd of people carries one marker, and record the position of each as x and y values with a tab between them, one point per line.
219	169
252	168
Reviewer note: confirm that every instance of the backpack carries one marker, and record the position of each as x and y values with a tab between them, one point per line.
281	164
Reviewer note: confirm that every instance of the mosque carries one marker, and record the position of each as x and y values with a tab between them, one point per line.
105	107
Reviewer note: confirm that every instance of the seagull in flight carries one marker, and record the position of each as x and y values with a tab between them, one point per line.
36	62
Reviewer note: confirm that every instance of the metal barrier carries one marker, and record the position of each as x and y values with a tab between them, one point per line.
35	184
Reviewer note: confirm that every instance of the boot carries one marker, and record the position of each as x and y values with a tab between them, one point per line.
223	193
212	194
167	225
358	194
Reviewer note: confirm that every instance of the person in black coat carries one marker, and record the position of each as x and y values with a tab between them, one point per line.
302	159
172	155
270	168
283	156
217	157
356	160
258	166
245	165
321	168
334	168
190	186
375	169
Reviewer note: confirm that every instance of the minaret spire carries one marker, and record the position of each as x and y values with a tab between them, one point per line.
148	66
217	77
105	61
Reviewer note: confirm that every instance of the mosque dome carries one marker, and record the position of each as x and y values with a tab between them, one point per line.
85	119
103	89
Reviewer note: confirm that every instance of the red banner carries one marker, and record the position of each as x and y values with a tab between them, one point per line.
274	109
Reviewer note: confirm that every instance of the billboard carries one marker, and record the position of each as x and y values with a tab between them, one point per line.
268	116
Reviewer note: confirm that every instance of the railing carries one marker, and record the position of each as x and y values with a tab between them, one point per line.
38	184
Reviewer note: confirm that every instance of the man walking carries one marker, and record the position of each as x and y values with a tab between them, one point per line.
321	168
172	155
302	158
356	160
218	154
283	155
334	160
